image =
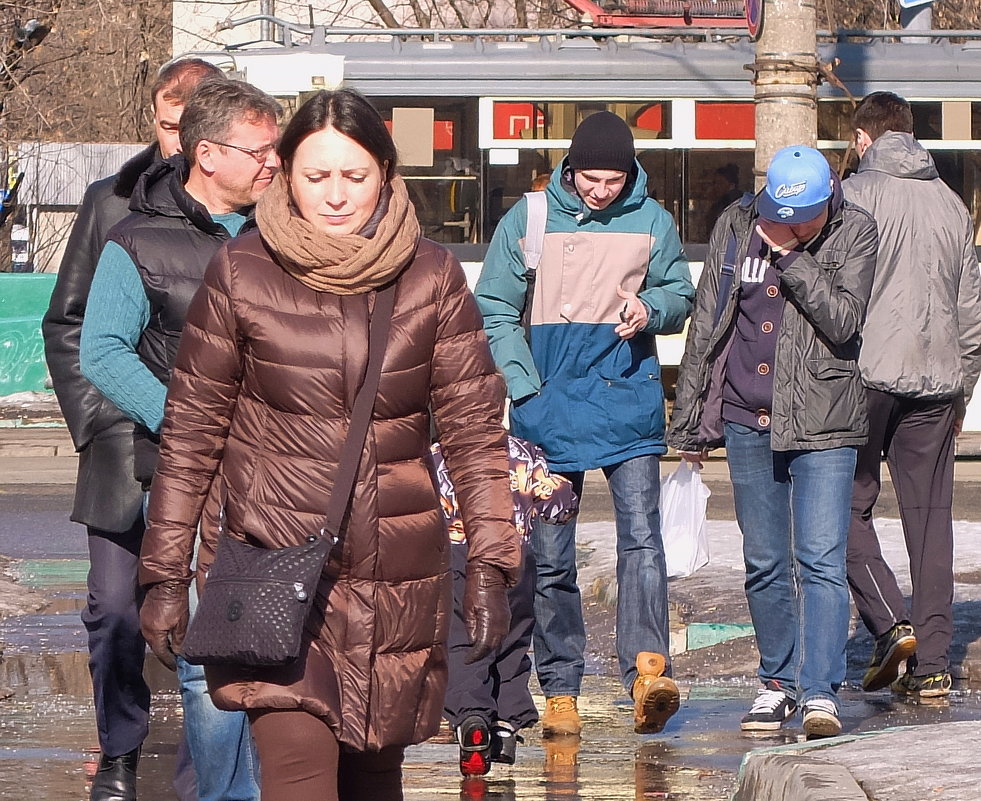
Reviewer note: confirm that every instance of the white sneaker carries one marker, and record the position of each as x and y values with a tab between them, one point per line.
821	718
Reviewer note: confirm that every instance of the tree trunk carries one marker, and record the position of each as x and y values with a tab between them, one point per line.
786	79
521	13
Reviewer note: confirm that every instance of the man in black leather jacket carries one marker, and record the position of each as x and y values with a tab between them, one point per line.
108	499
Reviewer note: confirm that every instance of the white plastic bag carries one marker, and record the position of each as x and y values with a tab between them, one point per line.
684	530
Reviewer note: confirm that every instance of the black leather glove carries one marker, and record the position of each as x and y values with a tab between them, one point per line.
163	619
486	610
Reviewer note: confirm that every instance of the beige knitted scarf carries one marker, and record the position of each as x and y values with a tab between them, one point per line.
350	264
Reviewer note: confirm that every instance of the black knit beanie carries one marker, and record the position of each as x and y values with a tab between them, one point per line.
602	142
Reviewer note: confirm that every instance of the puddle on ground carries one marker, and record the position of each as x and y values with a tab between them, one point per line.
48	740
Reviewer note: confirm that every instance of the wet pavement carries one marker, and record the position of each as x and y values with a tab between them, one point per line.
47	733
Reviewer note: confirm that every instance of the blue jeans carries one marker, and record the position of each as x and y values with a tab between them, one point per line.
642	589
220	743
793	509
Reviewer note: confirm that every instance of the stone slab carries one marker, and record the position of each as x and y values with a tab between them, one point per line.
913	763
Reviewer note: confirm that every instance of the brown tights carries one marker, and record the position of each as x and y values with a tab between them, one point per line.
301	760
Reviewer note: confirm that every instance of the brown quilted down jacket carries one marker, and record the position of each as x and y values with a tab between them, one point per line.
265	378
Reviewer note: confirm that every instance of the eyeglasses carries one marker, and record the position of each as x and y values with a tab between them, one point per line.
260	154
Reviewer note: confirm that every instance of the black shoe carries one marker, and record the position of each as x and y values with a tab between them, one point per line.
473	735
115	779
770	709
890	650
934	687
504	743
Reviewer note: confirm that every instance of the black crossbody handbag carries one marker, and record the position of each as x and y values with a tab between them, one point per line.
255	600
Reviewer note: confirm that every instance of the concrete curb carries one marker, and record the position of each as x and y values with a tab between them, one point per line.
905	763
765	776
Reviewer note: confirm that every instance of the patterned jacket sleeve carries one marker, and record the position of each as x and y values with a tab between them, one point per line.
467	399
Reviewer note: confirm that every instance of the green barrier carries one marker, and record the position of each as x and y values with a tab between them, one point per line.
23	301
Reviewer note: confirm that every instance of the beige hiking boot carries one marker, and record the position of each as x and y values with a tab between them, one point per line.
656	696
561	716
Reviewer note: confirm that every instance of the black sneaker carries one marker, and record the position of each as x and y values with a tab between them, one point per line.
474	738
890	650
770	709
935	686
504	742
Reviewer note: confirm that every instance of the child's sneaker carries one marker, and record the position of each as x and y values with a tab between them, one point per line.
474	738
504	742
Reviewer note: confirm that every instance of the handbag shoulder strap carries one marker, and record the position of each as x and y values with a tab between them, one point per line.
364	403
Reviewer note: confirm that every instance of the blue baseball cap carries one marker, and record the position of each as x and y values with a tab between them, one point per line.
798	186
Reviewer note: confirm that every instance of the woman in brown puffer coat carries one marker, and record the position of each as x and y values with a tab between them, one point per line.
271	358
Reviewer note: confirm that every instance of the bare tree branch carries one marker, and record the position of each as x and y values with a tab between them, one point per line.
384	14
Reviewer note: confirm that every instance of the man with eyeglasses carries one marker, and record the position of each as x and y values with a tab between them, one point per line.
108	499
183	210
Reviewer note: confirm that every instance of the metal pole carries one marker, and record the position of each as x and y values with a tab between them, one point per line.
786	80
267	8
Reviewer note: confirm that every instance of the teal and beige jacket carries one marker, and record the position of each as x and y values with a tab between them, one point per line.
586	397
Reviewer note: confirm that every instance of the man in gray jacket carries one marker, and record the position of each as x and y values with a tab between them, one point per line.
920	360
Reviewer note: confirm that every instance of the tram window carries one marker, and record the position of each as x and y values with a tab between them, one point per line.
715	178
446	194
505	184
927	120
553	119
976	121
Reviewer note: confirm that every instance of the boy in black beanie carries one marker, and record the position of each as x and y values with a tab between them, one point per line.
584	383
601	147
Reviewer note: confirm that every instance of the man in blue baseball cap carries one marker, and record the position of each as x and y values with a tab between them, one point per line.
795	204
771	372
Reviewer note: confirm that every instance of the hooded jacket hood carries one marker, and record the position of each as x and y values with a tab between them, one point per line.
899	155
160	191
562	187
922	335
131	171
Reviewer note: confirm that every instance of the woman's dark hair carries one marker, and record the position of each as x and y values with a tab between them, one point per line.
347	112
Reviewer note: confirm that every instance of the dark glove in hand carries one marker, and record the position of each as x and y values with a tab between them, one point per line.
163	619
486	610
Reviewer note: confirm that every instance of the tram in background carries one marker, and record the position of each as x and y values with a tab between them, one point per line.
478	114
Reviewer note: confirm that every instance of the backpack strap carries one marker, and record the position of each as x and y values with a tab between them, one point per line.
534	243
535	229
726	278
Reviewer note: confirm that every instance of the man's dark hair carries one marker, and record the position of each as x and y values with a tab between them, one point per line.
345	111
216	105
883	111
177	81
